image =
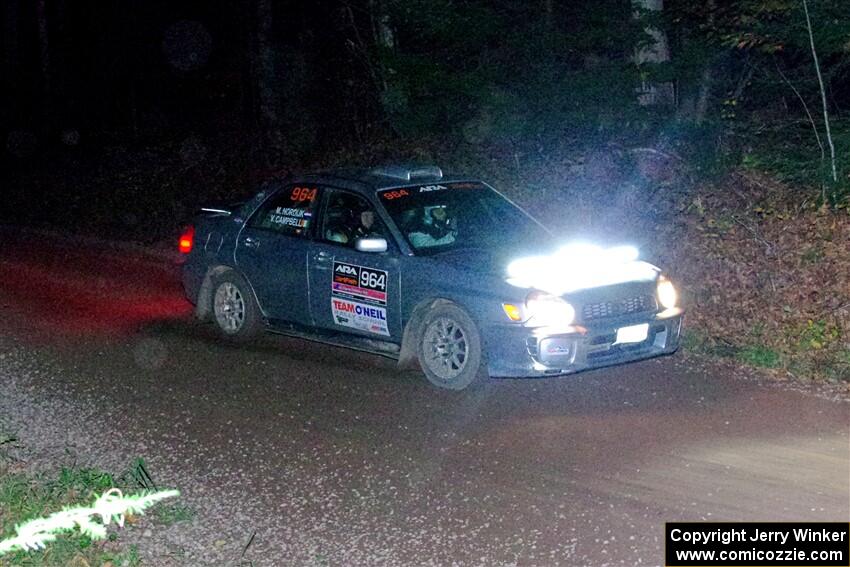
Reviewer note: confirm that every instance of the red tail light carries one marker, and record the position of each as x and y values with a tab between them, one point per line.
187	239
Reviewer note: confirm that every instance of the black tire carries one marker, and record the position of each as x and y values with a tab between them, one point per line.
230	287
449	348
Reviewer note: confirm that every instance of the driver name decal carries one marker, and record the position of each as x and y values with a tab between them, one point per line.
288	216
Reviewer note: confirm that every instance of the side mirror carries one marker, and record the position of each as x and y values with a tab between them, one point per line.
376	244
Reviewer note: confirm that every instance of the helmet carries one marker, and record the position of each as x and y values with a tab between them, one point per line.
441	223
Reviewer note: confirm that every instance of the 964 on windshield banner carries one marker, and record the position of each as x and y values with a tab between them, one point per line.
757	544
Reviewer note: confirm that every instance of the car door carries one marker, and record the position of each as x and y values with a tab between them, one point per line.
352	291
272	248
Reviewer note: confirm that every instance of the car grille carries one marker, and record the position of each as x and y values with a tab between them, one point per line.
627	306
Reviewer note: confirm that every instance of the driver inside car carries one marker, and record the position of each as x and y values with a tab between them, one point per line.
339	219
438	232
367	227
353	228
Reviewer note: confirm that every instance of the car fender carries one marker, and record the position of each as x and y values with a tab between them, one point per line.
470	303
203	307
407	358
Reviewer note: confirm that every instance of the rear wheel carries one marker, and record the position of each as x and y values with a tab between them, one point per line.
234	309
449	348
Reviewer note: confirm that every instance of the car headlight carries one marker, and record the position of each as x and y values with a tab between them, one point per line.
547	310
666	291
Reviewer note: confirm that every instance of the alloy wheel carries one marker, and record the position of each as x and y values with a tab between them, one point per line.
229	307
446	348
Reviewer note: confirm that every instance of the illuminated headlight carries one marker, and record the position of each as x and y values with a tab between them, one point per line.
667	295
546	310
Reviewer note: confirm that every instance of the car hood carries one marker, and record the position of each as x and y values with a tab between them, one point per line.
557	270
477	260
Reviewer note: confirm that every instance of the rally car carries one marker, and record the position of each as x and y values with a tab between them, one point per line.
443	272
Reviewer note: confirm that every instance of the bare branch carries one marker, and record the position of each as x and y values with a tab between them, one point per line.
805	107
758	237
822	91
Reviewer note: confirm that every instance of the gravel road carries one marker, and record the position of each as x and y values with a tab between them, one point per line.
321	456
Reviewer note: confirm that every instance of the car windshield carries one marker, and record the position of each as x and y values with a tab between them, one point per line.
442	217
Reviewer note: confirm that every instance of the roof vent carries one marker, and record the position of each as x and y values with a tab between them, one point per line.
409	173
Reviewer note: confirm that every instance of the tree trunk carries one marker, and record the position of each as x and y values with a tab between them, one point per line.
658	51
269	101
11	42
382	31
44	60
694	106
822	93
549	15
704	95
383	37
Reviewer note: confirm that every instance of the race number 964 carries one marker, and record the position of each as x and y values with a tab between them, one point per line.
373	279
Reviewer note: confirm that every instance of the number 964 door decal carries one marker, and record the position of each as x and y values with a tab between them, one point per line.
359	298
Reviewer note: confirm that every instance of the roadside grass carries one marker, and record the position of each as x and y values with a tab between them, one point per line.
693	340
755	354
760	356
24	496
816	351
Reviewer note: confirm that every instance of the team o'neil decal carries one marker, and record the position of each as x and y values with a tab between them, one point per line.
361	316
359	298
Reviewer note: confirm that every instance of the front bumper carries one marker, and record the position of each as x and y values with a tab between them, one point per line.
515	351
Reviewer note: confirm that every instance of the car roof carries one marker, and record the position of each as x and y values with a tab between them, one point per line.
370	180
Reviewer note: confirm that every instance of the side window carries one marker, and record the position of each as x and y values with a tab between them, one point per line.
349	217
291	211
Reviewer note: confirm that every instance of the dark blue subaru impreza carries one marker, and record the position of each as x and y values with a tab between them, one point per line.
440	271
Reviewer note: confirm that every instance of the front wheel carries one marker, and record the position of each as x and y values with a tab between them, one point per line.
449	349
235	311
